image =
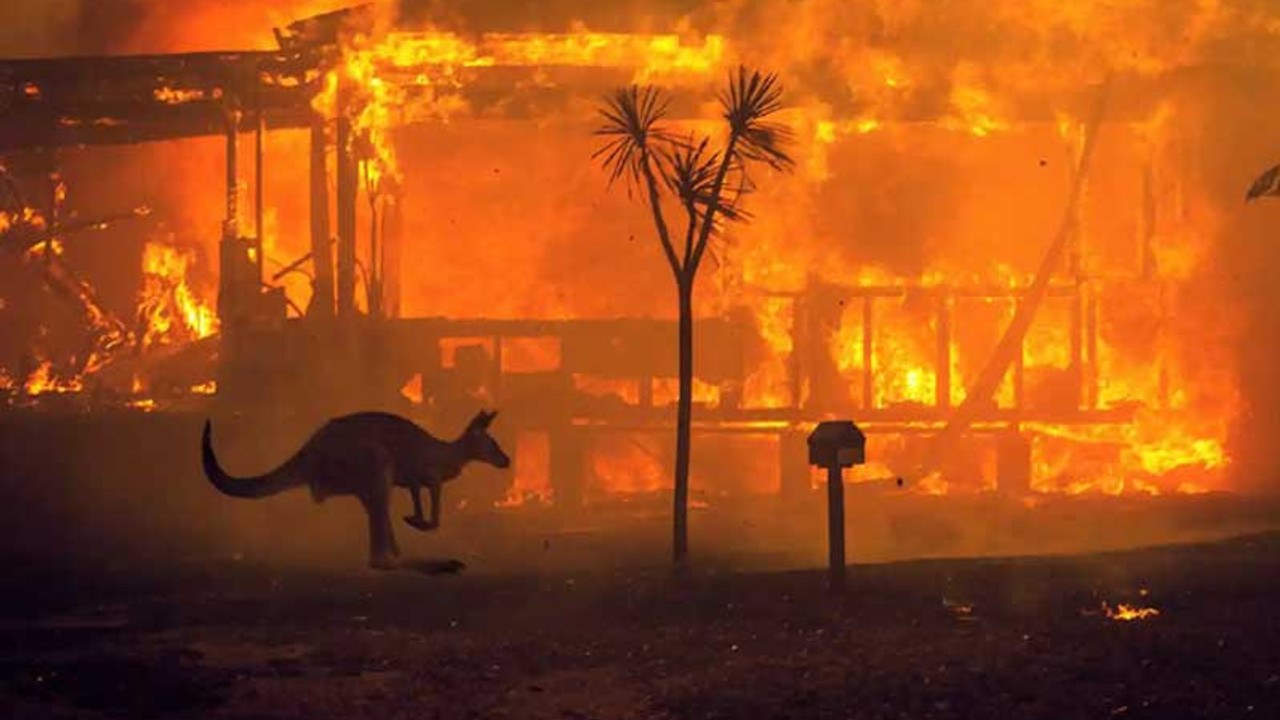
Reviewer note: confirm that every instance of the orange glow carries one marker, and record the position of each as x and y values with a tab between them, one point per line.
1126	613
666	392
43	380
530	355
170	309
532	481
627	391
628	465
178	96
412	390
143	404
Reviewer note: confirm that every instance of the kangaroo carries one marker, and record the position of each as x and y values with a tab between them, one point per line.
364	455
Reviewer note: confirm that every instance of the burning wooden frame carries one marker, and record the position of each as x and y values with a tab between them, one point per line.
321	80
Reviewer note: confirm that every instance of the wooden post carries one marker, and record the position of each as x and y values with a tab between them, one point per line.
228	247
258	193
868	357
568	468
835	527
347	189
942	389
1091	344
1148	257
1077	345
321	252
795	365
1019	372
392	239
232	178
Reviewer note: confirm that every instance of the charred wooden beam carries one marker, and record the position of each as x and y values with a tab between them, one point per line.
130	99
259	196
111	100
1077	331
1020	369
347	190
942	389
321	252
868	354
392	242
1091	345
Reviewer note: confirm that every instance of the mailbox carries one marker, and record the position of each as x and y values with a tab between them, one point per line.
838	444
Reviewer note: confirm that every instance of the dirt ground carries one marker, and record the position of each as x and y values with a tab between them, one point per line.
992	638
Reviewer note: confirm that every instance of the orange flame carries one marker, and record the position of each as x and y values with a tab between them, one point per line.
1126	613
171	312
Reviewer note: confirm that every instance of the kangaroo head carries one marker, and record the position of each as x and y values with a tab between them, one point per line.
479	445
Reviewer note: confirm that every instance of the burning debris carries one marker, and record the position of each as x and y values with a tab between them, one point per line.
168	310
1126	613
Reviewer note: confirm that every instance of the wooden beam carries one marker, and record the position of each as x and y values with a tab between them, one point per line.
321	250
347	190
942	386
868	355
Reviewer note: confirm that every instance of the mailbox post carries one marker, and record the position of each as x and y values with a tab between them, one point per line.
836	445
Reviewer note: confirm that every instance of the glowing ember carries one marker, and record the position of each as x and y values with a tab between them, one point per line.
44	380
177	96
1126	613
412	390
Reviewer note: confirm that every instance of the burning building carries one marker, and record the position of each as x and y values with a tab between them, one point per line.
394	205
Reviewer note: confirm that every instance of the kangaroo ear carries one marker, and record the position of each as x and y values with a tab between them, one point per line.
481	421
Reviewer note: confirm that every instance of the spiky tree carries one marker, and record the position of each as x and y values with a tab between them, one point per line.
709	186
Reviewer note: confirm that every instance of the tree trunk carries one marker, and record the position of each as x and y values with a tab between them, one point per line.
684	417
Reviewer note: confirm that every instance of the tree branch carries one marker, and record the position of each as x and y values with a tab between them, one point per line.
655	204
691	210
708	220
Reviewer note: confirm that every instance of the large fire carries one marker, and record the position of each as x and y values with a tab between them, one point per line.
933	175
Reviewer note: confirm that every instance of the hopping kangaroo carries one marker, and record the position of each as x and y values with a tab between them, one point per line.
365	455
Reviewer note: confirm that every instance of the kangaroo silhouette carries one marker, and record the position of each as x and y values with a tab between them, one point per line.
365	455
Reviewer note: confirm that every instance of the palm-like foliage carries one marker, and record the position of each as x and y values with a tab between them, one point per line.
632	116
709	185
690	173
749	99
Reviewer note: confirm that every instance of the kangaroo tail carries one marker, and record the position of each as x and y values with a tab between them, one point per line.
276	481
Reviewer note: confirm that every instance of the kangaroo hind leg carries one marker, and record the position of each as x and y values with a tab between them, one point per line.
383	548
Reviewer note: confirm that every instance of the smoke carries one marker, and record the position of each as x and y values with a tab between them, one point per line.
39	29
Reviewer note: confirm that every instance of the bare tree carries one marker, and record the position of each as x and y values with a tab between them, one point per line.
709	186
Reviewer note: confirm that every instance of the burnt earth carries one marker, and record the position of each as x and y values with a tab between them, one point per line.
1016	638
